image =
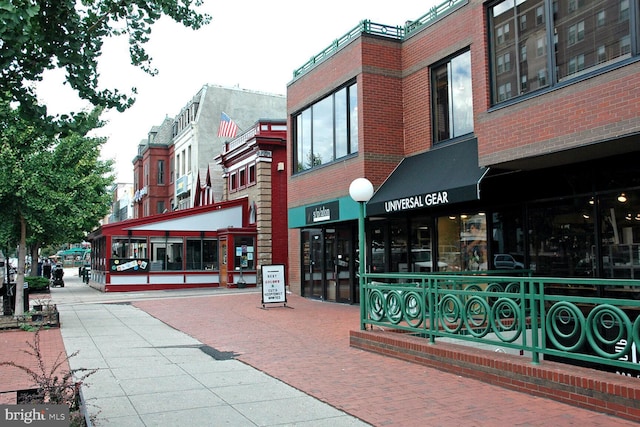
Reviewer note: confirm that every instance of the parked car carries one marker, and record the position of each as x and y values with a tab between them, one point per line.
423	261
506	262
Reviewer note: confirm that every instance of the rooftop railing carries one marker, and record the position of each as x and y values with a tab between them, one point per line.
593	322
395	32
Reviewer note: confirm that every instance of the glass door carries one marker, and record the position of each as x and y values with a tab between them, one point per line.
328	264
339	264
312	256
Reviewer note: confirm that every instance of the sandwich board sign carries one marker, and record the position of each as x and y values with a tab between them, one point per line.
273	285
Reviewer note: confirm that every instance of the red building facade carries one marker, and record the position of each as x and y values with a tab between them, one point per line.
254	168
153	172
197	247
490	130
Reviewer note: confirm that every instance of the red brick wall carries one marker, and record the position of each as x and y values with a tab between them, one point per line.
155	192
379	115
600	108
464	29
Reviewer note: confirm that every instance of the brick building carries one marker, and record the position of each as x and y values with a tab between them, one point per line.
496	134
190	228
254	168
178	155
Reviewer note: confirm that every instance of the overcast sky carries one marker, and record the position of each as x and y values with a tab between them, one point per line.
251	44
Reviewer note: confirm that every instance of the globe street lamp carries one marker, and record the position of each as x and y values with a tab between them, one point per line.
361	191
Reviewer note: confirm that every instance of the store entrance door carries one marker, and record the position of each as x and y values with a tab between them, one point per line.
328	264
312	256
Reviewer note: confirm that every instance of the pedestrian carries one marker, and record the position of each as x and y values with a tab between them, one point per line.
46	269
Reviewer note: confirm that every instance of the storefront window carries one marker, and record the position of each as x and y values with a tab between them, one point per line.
561	237
399	251
378	262
128	247
166	253
507	240
202	254
462	242
244	252
422	259
620	223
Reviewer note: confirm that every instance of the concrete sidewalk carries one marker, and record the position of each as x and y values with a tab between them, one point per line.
150	374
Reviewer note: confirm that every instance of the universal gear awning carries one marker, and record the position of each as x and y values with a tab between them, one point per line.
444	175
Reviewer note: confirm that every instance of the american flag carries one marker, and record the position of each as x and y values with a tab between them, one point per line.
228	128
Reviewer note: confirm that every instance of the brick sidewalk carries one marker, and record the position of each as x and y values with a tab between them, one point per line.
307	347
13	344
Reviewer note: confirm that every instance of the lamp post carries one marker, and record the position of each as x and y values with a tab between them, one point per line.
361	191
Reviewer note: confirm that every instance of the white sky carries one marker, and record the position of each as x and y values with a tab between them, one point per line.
251	44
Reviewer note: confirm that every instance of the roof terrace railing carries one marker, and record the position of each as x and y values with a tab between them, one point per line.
395	32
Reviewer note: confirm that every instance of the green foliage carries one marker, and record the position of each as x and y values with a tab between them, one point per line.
27	327
52	185
56	188
37	283
40	35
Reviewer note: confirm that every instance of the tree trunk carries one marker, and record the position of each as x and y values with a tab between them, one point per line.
35	259
22	255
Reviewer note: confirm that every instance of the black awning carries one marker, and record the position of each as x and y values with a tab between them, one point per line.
441	176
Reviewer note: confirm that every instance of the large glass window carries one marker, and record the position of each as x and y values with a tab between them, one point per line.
128	247
620	224
462	242
327	130
453	99
166	253
422	257
507	240
403	245
561	237
202	254
585	34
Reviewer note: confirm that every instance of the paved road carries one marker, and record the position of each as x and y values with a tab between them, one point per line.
305	346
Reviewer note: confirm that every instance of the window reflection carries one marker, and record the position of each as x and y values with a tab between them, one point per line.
620	222
561	238
462	242
453	100
328	130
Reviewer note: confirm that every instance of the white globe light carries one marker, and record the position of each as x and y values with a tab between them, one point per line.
361	190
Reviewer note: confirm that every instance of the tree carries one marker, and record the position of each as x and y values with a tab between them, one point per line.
39	183
50	195
40	35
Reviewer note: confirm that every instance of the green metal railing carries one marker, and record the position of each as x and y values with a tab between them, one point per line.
395	32
594	321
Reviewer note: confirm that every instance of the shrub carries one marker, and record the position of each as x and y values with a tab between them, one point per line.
37	283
